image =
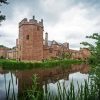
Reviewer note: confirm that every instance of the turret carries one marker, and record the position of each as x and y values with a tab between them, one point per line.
31	21
30	39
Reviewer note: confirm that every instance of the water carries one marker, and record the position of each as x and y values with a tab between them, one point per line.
77	78
8	85
18	81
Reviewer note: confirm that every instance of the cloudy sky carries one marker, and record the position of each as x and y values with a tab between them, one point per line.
64	20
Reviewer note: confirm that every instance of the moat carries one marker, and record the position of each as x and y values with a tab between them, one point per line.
18	81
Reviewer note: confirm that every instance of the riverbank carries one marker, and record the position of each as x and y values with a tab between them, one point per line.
14	65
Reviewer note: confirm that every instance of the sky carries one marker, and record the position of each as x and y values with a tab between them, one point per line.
64	20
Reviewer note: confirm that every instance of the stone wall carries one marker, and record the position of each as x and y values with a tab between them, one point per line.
3	52
30	45
12	54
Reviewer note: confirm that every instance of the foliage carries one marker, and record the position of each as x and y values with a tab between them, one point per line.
64	55
11	64
68	55
94	59
94	49
88	91
2	17
1	57
3	1
3	46
35	93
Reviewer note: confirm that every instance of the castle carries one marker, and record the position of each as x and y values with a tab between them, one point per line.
30	45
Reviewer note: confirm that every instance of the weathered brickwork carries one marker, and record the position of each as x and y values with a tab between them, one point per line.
3	52
12	54
30	40
31	46
55	50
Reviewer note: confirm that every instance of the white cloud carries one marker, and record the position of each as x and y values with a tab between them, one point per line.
10	27
53	6
73	27
72	23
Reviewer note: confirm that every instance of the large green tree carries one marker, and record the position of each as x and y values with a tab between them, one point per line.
2	17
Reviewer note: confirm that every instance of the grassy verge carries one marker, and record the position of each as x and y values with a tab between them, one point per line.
14	65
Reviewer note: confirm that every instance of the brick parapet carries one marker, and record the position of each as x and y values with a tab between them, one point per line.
31	22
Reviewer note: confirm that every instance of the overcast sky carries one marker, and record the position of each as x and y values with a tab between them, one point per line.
64	20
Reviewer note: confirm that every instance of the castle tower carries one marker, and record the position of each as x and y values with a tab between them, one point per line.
30	40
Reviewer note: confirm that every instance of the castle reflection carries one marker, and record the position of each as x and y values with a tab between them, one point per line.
50	76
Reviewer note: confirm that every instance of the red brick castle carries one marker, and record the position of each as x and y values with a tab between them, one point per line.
30	42
30	45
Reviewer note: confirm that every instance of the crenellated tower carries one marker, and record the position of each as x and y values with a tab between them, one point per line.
30	39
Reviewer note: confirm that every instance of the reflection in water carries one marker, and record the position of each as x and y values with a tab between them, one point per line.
77	78
8	86
48	78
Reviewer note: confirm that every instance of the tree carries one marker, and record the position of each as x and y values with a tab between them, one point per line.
94	49
95	59
2	17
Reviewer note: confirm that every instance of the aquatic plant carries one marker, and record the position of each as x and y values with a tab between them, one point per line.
34	93
6	64
88	91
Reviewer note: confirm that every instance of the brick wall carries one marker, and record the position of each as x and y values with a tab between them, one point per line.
3	52
30	40
30	43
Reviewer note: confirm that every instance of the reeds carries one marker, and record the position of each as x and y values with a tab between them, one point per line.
6	64
86	91
35	93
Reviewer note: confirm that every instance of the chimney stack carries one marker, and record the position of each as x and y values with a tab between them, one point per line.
46	39
42	22
33	17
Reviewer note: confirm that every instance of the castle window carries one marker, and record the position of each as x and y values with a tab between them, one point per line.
20	48
38	28
27	37
56	54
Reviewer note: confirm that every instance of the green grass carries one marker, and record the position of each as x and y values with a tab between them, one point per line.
13	65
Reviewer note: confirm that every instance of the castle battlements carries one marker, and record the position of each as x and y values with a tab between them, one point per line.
31	22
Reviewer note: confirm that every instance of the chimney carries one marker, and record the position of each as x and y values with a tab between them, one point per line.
46	39
68	45
16	42
33	17
42	22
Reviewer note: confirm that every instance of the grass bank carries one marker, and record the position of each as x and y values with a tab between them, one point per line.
14	65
